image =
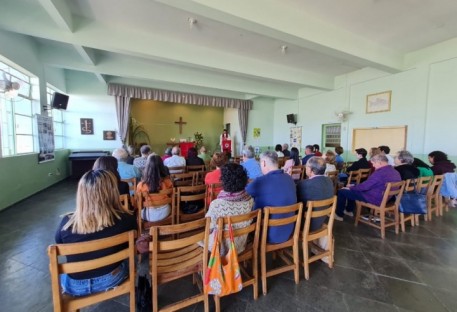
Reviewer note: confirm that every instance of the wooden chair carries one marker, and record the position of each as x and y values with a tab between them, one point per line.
124	198
394	191
347	165
318	209
281	162
144	201
132	189
410	186
248	258
333	175
195	168
353	178
291	260
59	266
183	179
364	174
237	159
200	177
177	169
212	190
422	186
298	170
186	194
172	259
434	202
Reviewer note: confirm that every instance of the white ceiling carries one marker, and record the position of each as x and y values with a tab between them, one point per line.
234	49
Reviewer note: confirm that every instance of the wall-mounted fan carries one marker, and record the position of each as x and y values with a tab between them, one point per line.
341	116
9	87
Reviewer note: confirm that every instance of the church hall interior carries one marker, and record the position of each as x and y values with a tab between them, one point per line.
178	67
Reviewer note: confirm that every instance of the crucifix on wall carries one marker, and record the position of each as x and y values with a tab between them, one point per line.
180	123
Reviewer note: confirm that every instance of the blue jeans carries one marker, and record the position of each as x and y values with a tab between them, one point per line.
346	200
89	286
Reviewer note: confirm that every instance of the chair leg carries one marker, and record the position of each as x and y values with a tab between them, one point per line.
413	217
296	262
305	259
263	268
402	221
217	303
331	248
155	298
382	216
397	221
357	214
416	219
255	270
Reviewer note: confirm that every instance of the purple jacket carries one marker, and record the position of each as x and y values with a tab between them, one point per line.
373	188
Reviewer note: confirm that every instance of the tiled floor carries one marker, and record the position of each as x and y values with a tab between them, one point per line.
413	271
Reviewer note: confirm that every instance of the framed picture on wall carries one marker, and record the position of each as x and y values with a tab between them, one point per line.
109	135
379	102
87	126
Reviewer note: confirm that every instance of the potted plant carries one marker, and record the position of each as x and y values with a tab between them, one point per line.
137	134
198	138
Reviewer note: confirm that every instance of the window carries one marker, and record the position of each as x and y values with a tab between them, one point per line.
16	112
332	135
57	119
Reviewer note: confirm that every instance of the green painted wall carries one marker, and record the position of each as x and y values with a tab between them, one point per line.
22	176
159	120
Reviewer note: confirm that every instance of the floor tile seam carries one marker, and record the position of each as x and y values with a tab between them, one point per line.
24	266
401	279
438	299
352	268
29	266
371	299
397	256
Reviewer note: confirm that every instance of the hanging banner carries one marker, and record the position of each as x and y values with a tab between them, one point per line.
45	138
295	137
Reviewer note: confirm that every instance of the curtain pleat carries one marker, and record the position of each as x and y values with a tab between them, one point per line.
243	115
123	115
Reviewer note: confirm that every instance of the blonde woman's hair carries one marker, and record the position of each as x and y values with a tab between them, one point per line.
97	203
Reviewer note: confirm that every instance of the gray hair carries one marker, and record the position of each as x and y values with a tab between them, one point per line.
120	154
270	156
248	151
317	165
145	149
405	157
175	150
379	158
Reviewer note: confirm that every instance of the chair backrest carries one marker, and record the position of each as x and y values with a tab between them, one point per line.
353	178
200	177
435	186
189	194
59	266
212	190
364	174
333	175
281	162
172	258
196	168
298	170
295	219
319	209
144	200
177	169
183	179
132	188
124	198
393	189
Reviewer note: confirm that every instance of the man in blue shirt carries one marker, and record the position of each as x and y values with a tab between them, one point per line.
275	188
251	165
308	154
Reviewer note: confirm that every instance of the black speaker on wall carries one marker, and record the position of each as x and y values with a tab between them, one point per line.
292	118
59	101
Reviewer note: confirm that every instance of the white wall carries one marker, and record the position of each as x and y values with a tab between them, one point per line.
282	129
261	116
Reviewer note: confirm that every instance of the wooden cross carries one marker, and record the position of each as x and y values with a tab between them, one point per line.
180	123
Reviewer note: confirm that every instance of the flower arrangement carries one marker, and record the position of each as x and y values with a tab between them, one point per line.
198	138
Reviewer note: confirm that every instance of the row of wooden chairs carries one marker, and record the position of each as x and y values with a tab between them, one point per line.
387	213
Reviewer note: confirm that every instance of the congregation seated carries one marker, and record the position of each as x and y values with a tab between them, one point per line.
440	163
155	178
385	150
294	160
404	165
175	160
329	161
361	162
370	191
285	150
424	169
193	159
126	171
278	150
140	162
275	189
204	155
316	150
167	153
308	154
131	154
98	214
250	164
232	200
109	163
339	161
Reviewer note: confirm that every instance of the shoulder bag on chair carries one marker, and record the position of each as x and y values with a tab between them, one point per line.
413	203
223	275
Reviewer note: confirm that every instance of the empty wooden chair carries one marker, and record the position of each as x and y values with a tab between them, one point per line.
183	179
58	266
173	258
190	195
282	250
318	209
434	201
146	201
387	208
248	258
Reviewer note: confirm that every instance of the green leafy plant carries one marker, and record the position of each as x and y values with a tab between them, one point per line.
137	134
198	138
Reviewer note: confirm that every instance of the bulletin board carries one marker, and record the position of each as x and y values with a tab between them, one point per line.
394	137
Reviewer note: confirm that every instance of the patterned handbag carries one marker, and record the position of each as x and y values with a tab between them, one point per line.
223	275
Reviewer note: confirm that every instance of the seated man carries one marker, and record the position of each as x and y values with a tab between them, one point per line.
370	191
251	165
308	154
316	187
126	171
175	160
285	150
275	188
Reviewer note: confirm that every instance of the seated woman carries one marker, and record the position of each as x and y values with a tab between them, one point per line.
294	160
329	161
155	178
440	163
339	161
231	201
109	163
193	159
278	150
218	160
98	215
404	165
424	169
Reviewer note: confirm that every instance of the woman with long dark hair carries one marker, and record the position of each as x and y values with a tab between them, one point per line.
294	160
440	163
109	163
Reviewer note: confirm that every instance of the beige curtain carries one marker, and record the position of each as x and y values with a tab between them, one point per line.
243	115
123	115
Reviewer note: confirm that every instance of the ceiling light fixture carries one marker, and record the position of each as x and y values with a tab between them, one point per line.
192	21
283	49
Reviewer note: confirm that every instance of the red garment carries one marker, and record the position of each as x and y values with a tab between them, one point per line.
213	177
318	154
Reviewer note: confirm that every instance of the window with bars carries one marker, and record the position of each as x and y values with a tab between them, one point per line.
16	111
57	119
331	135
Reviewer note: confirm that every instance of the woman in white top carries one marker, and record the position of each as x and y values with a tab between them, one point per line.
278	150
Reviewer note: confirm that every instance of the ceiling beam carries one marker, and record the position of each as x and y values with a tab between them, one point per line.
59	12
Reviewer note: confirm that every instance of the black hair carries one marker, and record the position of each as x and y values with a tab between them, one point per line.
192	152
153	173
294	154
278	148
316	147
384	148
108	163
233	177
438	156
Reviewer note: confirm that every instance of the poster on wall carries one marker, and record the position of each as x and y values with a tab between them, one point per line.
256	133
87	126
295	137
45	138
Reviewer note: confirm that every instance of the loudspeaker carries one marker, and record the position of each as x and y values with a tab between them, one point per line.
59	101
291	119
